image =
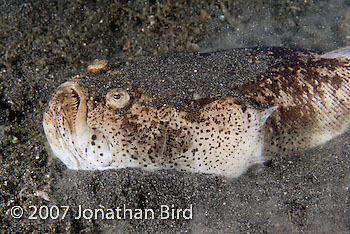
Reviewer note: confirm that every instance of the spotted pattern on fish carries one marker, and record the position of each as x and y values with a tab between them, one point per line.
214	113
313	97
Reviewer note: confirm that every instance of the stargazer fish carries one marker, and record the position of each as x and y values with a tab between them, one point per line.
216	113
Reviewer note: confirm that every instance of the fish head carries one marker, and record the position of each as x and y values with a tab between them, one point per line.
82	127
67	131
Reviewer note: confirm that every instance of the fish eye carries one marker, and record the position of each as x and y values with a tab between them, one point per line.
117	99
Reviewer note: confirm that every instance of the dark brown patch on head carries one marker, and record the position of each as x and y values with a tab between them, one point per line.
128	123
195	108
337	81
195	103
244	108
155	140
193	115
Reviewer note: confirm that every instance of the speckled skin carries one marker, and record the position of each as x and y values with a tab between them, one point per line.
200	112
312	94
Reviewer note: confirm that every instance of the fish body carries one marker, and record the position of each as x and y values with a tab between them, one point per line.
312	94
215	113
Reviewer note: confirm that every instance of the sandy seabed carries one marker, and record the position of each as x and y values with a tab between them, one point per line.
44	44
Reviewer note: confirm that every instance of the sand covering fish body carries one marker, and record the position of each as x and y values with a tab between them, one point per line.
217	112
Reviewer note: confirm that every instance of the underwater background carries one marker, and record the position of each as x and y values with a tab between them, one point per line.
44	43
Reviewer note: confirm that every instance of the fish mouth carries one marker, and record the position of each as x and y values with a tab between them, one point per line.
70	97
75	99
65	121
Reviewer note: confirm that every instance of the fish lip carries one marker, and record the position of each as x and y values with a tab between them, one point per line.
65	122
74	90
62	110
73	97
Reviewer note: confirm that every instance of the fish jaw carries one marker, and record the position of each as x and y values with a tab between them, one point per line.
66	128
58	144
